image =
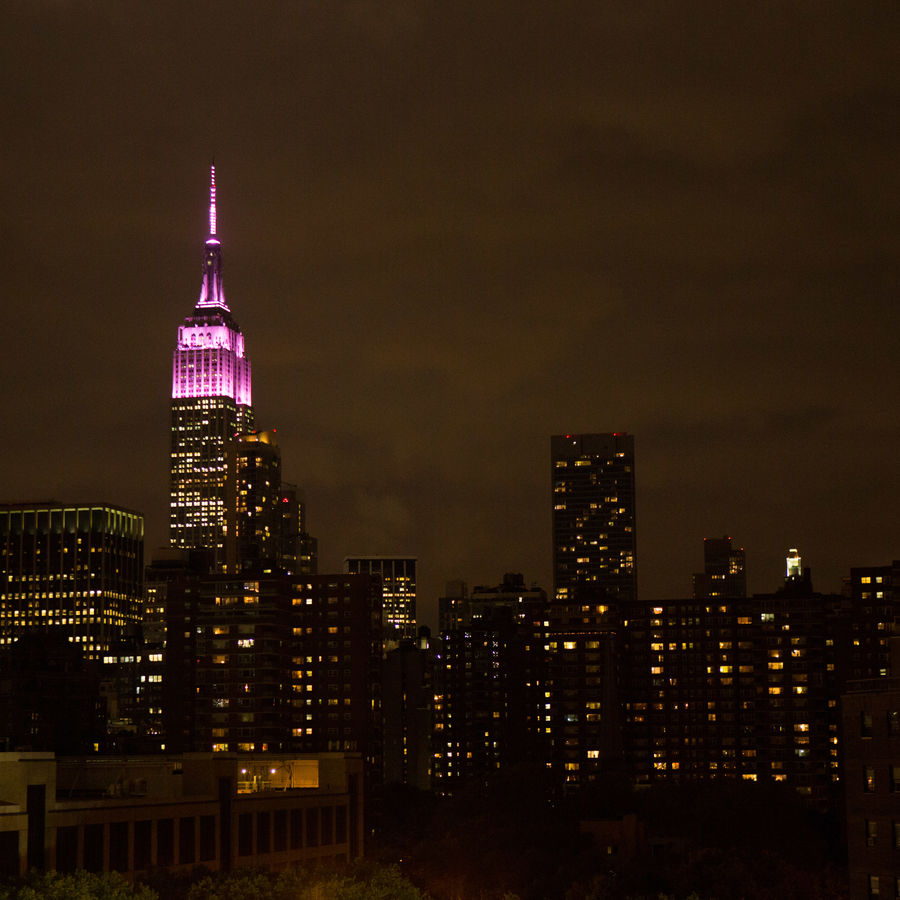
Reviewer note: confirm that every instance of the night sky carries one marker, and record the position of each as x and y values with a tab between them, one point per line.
452	229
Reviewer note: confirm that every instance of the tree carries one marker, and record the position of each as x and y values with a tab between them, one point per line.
361	881
77	886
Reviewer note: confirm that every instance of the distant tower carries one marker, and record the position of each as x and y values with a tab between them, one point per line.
793	564
593	515
723	575
211	402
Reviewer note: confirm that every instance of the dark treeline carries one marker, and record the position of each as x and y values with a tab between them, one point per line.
726	841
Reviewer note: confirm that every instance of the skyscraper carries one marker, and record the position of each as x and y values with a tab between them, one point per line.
211	402
593	515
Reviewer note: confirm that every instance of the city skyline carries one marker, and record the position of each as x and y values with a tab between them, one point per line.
454	233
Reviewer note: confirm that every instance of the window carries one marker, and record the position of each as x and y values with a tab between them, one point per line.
186	840
865	724
245	834
869	779
874	886
893	724
207	838
312	827
895	779
142	844
871	832
165	842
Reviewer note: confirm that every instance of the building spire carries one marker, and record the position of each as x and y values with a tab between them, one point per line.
212	292
212	200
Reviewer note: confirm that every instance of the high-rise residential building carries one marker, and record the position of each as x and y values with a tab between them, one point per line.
211	402
740	689
73	569
581	688
723	572
268	663
592	477
490	706
398	584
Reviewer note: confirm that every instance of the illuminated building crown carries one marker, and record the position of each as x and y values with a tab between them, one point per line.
209	358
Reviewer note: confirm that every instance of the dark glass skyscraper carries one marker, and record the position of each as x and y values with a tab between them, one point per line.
592	477
211	402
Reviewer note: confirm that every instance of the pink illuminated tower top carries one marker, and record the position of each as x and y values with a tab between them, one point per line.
212	292
209	358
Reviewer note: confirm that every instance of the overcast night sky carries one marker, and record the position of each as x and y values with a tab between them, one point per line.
452	229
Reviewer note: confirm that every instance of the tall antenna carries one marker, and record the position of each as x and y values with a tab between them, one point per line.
212	200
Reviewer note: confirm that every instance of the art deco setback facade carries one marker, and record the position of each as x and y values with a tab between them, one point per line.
73	570
211	402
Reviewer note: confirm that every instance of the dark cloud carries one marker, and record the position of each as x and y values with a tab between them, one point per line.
452	230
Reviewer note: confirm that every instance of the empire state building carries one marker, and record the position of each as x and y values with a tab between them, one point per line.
211	402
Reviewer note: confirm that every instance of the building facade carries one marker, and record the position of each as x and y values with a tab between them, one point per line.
269	664
743	689
75	570
870	712
211	402
134	815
